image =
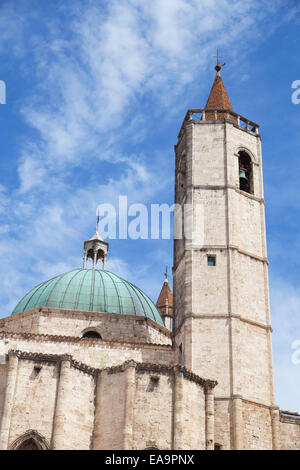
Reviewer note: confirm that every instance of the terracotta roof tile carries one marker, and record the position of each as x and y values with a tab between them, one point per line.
218	98
165	299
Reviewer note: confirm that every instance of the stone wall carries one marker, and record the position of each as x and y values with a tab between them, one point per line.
289	431
52	395
155	407
73	323
93	352
34	399
132	406
257	428
223	424
153	410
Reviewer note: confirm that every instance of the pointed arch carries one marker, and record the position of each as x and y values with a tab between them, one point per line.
30	440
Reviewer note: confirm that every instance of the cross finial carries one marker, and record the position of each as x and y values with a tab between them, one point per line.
219	65
166	272
98	219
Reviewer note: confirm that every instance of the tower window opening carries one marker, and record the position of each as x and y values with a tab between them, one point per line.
218	447
91	334
245	173
211	260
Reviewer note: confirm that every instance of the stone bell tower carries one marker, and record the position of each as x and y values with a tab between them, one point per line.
221	292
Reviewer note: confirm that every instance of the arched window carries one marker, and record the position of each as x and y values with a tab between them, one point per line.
31	440
245	172
29	444
91	334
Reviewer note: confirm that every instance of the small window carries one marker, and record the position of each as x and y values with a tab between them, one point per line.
217	447
153	383
211	260
91	334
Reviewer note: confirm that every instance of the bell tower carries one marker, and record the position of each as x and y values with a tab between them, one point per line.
221	292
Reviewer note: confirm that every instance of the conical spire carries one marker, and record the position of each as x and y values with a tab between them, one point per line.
165	300
218	98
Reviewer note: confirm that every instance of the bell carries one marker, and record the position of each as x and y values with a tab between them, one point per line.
243	175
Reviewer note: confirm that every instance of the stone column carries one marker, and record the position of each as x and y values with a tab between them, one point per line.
275	428
98	409
210	419
188	343
95	259
178	410
84	259
12	373
59	436
104	262
129	404
237	422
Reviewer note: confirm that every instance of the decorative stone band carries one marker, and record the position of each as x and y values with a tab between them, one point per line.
226	186
218	316
57	358
245	400
207	384
220	247
75	339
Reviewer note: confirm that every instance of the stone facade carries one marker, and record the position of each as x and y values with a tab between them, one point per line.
206	384
74	406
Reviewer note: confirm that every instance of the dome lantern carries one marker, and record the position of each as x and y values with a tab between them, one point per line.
95	248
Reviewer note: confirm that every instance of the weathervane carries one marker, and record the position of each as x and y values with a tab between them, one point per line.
219	65
98	219
166	273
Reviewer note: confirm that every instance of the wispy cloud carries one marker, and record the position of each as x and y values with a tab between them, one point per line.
105	76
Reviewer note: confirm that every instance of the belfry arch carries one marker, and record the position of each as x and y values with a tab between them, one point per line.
245	172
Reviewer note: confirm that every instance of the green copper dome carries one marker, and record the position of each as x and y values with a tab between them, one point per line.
93	290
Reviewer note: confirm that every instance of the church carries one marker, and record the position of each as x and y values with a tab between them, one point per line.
89	361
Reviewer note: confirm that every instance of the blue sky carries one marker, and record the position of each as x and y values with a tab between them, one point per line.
96	93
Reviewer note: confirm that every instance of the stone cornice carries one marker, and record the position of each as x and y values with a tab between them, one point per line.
226	186
221	316
207	384
88	341
244	400
220	247
56	358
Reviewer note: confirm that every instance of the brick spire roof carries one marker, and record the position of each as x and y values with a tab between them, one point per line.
165	300
218	98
